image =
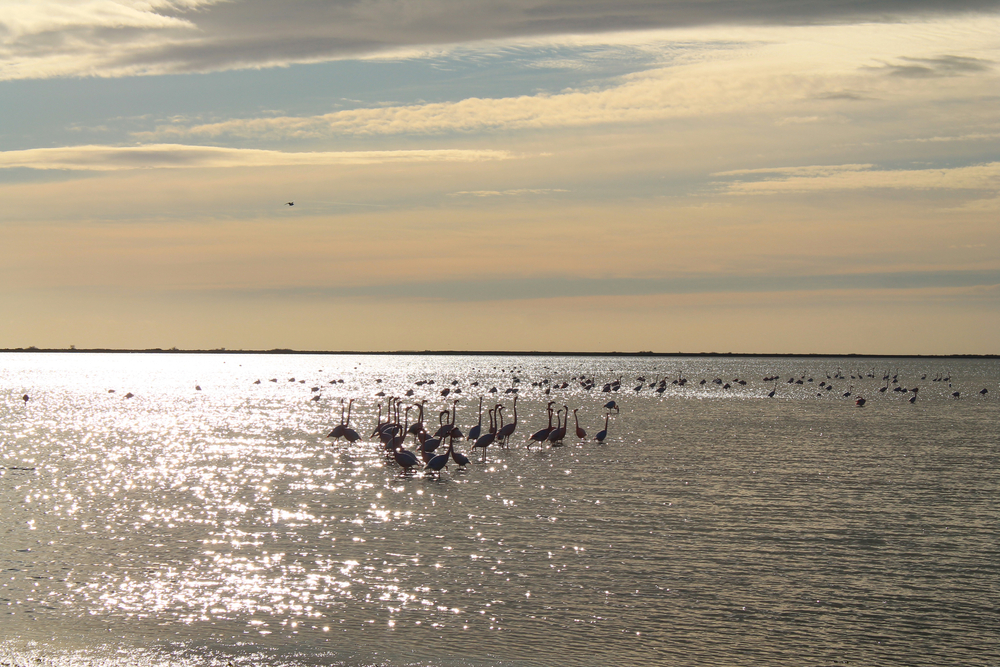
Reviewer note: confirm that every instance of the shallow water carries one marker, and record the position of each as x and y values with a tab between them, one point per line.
187	526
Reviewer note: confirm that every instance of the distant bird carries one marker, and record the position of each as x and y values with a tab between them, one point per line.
289	203
860	402
26	398
610	405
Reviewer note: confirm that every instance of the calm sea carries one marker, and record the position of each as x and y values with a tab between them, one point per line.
168	509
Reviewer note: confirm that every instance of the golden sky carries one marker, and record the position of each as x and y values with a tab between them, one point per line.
547	175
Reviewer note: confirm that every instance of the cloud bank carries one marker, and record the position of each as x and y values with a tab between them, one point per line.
61	38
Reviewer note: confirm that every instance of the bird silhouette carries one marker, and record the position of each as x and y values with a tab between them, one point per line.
580	433
542	435
559	432
477	429
602	434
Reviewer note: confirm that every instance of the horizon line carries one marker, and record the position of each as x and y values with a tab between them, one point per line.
495	353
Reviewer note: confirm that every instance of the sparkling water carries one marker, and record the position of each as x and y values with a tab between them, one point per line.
189	509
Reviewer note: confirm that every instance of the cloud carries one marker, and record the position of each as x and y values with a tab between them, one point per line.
173	156
944	66
798	75
664	93
785	180
49	38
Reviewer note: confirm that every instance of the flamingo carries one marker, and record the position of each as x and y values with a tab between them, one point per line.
484	441
405	458
381	426
349	433
542	435
601	435
418	425
477	429
437	463
611	405
559	432
461	459
504	433
338	430
445	429
499	427
395	442
580	433
455	432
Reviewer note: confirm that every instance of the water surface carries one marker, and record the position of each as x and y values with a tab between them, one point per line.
207	519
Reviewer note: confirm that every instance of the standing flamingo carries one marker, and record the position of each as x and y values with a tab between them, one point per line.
559	432
542	435
437	463
601	435
484	441
350	434
395	442
338	430
418	425
580	433
503	435
477	429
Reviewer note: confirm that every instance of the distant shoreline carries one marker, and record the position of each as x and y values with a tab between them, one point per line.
496	353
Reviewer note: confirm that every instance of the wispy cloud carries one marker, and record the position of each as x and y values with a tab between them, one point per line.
784	180
943	66
802	75
174	156
663	93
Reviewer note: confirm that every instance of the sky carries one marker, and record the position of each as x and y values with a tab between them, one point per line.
747	176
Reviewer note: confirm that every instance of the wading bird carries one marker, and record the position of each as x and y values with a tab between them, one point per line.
601	435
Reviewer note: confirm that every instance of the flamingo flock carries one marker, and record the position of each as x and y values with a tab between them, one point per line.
413	442
414	446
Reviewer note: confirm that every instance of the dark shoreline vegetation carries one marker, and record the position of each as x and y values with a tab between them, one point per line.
505	353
